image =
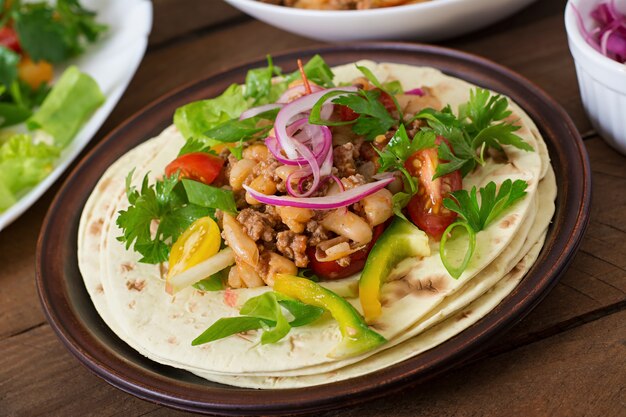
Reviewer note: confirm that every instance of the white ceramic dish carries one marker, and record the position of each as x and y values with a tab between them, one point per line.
112	62
432	20
602	81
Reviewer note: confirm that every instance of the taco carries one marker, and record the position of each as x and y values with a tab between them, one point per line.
312	227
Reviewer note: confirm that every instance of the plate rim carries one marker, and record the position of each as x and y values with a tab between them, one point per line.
389	379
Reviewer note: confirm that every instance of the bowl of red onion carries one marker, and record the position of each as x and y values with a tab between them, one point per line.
596	31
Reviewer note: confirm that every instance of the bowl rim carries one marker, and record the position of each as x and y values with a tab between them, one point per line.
377	12
587	51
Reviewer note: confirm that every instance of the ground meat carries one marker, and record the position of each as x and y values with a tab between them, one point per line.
317	232
293	246
353	181
258	225
344	159
266	168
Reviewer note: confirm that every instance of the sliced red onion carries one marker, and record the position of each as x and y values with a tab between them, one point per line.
321	144
251	112
609	37
296	107
342	199
415	92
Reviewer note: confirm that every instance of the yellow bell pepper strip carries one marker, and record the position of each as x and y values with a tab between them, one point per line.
401	240
357	338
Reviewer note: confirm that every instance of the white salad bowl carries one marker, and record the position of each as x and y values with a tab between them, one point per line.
428	21
602	81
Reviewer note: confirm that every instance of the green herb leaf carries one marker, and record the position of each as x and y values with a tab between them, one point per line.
229	326
399	201
266	306
207	196
374	80
236	130
374	119
303	313
317	71
315	117
164	202
259	85
8	66
213	283
492	204
193	120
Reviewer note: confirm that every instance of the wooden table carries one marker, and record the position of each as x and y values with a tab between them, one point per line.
567	358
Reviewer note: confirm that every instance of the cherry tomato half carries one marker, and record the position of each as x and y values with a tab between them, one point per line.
198	166
426	208
347	114
333	270
9	39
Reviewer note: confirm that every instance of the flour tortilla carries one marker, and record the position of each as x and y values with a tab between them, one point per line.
162	326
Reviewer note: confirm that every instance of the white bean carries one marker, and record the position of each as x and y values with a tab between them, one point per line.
347	224
239	241
378	207
239	172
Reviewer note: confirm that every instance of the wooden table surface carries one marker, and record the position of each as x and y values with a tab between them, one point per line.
567	358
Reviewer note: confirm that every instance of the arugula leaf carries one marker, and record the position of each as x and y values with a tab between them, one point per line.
479	215
259	86
236	130
164	202
213	283
263	312
317	71
203	195
374	119
229	326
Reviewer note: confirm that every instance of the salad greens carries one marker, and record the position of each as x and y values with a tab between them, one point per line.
24	163
263	312
68	106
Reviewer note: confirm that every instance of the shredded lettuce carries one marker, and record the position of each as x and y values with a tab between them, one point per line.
69	105
23	165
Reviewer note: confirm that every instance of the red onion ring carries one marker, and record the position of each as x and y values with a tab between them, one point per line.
342	199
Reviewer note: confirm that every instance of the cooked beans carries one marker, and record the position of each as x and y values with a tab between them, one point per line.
378	207
295	218
239	172
347	224
263	185
239	241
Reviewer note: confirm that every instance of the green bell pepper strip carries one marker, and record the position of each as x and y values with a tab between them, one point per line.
401	240
357	338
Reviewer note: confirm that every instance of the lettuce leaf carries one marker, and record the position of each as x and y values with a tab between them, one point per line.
22	166
194	119
69	105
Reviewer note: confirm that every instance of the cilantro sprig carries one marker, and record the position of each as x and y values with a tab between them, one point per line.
475	215
171	204
265	313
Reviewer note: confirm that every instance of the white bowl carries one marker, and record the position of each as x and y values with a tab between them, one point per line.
602	80
432	20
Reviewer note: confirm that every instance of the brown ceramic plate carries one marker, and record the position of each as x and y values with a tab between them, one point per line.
75	320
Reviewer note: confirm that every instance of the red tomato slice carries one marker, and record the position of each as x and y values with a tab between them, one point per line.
198	166
332	270
8	38
426	208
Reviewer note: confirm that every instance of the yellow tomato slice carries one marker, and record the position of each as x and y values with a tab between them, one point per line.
199	242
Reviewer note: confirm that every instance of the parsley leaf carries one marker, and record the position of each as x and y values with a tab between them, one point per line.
374	80
480	125
164	202
474	216
374	119
492	204
55	34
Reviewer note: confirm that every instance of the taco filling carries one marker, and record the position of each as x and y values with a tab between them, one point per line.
326	220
